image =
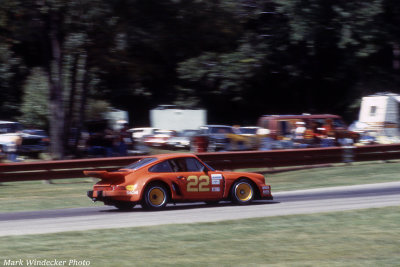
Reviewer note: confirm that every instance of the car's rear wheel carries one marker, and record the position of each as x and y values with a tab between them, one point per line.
155	196
124	205
242	192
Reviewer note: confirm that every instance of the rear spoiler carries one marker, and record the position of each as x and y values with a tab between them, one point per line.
106	175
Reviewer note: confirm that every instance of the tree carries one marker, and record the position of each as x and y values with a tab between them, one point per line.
11	71
34	106
40	31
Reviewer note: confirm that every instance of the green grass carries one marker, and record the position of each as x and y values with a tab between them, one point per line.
357	238
35	195
340	175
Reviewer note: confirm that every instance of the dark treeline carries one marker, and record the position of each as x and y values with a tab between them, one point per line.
239	59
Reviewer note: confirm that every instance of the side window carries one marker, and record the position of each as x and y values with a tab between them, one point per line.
372	111
178	165
186	165
161	167
285	127
193	165
337	123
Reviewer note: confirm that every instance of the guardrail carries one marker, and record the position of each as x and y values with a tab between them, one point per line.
46	170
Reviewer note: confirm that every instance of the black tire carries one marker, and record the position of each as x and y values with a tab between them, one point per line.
124	205
242	192
212	202
155	197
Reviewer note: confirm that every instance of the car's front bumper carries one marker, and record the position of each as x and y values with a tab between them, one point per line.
265	192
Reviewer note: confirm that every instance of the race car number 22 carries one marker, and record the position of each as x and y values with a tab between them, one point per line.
198	184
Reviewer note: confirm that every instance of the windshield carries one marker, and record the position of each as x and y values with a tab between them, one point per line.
140	163
221	130
188	133
10	127
248	130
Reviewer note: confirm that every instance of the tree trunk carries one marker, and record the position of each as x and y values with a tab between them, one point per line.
69	119
56	91
83	98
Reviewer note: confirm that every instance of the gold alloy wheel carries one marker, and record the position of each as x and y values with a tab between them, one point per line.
244	192
156	196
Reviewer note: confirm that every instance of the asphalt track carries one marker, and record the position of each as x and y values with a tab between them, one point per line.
284	203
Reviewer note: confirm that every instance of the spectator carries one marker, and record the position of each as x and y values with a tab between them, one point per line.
300	130
124	140
328	128
109	139
95	145
13	146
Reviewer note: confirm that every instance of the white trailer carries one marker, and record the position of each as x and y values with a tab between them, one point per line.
381	113
116	118
170	117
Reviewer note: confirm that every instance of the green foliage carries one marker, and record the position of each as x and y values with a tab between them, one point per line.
223	73
250	53
34	107
96	109
10	67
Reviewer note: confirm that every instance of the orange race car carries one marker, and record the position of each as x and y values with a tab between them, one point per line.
157	180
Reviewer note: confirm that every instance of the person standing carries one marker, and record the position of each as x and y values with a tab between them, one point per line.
13	146
124	140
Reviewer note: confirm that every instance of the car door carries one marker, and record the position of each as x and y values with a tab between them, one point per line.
196	181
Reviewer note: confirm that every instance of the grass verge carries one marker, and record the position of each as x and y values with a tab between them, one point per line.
357	238
35	195
339	175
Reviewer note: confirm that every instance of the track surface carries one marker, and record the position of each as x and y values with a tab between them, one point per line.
284	203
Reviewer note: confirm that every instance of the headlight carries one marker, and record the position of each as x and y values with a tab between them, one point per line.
131	187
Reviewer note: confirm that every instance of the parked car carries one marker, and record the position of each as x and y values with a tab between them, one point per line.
182	140
139	133
244	138
157	180
160	138
216	136
33	142
33	145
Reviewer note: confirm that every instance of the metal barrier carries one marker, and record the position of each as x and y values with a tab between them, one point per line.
46	170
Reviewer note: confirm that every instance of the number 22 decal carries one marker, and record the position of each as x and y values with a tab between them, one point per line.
198	184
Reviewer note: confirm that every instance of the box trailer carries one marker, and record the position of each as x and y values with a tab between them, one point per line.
171	117
381	113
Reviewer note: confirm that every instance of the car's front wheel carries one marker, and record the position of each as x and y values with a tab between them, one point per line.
155	196
242	192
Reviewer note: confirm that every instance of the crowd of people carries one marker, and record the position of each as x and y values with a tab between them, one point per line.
306	134
109	143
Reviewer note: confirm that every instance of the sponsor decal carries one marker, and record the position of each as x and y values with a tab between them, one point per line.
132	190
266	192
216	189
216	176
216	182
